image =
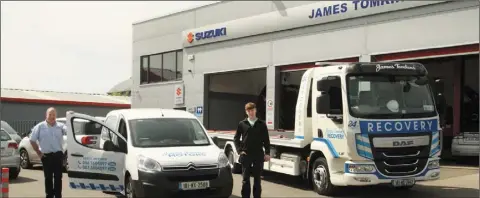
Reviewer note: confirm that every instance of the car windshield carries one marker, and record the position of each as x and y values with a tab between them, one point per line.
8	128
4	136
388	96
167	132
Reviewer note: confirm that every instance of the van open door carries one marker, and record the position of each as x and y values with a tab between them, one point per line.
93	168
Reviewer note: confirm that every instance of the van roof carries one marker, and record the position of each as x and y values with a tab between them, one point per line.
64	118
143	113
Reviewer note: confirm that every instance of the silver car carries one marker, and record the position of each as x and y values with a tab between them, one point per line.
13	134
10	155
88	134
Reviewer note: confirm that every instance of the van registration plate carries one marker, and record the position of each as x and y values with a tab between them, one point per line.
196	185
403	182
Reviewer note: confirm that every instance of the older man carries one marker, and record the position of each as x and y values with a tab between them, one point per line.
49	135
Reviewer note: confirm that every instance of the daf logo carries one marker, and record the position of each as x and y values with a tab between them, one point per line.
191	166
403	143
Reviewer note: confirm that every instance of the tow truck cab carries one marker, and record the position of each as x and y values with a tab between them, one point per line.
376	119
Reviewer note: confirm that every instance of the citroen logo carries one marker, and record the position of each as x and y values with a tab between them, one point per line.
191	166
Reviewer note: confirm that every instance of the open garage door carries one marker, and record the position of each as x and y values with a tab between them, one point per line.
290	85
226	95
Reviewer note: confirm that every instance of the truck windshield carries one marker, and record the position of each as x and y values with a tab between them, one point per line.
389	96
167	132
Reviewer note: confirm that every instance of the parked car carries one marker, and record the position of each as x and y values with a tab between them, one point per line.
86	134
9	153
12	132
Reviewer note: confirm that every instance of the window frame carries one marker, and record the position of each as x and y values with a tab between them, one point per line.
146	80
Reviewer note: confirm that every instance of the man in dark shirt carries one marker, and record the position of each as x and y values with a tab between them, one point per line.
254	137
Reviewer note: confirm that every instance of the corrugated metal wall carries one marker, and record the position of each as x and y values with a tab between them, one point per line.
23	116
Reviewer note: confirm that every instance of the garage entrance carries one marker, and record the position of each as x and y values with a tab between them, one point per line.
458	67
226	95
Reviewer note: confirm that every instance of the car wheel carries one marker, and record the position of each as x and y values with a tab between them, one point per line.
13	173
129	189
321	178
236	168
25	160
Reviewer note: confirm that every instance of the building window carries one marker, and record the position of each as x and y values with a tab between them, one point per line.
162	67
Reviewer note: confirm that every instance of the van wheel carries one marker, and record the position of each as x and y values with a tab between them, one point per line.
25	160
129	189
321	177
236	167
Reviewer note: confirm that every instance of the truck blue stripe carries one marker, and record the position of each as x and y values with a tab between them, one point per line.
327	142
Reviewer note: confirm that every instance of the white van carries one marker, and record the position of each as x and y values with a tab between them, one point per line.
149	153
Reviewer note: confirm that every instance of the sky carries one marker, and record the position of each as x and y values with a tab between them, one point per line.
73	46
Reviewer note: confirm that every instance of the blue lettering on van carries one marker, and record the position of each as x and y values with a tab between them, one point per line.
112	163
340	8
112	168
400	126
211	33
184	154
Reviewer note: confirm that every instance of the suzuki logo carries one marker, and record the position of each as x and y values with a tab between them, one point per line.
403	143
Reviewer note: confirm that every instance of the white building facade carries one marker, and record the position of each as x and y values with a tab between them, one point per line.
174	54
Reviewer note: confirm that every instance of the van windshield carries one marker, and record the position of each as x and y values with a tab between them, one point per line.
167	132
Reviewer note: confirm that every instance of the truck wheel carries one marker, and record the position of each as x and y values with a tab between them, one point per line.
236	168
321	177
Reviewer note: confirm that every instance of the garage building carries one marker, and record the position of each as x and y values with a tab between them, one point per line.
211	60
22	109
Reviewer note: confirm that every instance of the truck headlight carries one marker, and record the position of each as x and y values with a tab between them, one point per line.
434	164
222	160
148	165
361	168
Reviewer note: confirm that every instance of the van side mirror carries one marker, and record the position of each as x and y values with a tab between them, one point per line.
108	145
215	140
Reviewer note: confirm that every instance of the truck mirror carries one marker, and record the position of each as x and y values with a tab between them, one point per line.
440	102
325	83
323	104
439	86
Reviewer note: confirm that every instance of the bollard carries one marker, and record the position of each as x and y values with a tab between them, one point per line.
5	181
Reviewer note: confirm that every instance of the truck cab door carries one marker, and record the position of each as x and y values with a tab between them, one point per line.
92	168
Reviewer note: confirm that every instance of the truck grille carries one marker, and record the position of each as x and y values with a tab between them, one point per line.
403	161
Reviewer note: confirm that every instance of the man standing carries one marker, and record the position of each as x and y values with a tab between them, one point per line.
49	135
254	137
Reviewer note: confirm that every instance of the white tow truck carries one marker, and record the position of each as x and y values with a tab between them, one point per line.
357	124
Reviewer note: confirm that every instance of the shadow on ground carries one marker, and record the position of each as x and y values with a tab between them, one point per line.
21	180
380	191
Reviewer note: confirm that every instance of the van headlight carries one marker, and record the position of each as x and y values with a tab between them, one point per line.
222	160
434	164
148	165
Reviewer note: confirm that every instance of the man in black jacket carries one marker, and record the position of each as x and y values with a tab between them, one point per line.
254	137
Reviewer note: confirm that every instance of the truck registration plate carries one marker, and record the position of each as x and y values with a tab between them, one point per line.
403	182
196	185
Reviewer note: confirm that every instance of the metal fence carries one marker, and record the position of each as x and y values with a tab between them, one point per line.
23	126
